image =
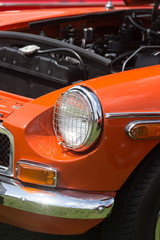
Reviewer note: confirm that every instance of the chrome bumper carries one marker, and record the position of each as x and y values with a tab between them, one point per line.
54	202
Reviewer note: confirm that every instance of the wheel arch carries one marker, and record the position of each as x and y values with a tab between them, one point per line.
134	198
154	152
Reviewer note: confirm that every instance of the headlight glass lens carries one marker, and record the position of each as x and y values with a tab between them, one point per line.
74	119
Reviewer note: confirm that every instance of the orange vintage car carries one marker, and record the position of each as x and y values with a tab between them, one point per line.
80	118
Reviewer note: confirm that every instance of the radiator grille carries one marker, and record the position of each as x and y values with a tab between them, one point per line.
4	150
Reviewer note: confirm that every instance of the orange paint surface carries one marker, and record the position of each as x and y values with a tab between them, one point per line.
107	166
45	224
102	168
9	103
21	18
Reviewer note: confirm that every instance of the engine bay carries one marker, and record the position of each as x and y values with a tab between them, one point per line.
55	53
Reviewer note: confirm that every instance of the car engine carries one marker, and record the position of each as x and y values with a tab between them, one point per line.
54	53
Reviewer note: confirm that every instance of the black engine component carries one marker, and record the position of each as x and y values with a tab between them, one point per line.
88	34
100	47
56	68
148	58
155	32
70	35
50	71
53	64
129	33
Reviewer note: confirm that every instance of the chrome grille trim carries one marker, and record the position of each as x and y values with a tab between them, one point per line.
8	171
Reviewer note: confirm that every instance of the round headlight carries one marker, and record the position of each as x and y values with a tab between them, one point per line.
77	118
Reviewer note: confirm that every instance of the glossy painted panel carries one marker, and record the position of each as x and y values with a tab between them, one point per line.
10	102
138	2
107	166
21	18
45	224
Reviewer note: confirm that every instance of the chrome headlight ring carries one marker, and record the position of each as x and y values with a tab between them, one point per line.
77	118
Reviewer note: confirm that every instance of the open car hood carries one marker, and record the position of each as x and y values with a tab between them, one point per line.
137	2
127	2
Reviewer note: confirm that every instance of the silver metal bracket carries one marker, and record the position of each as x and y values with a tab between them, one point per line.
109	5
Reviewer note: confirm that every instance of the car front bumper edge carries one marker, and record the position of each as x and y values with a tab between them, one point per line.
54	202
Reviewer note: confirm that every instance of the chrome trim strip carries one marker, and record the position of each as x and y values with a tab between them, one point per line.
131	125
54	203
8	171
46	167
132	115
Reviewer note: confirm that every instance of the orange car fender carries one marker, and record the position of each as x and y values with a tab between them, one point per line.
106	166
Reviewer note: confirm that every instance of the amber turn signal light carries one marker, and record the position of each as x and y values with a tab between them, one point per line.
144	129
36	174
